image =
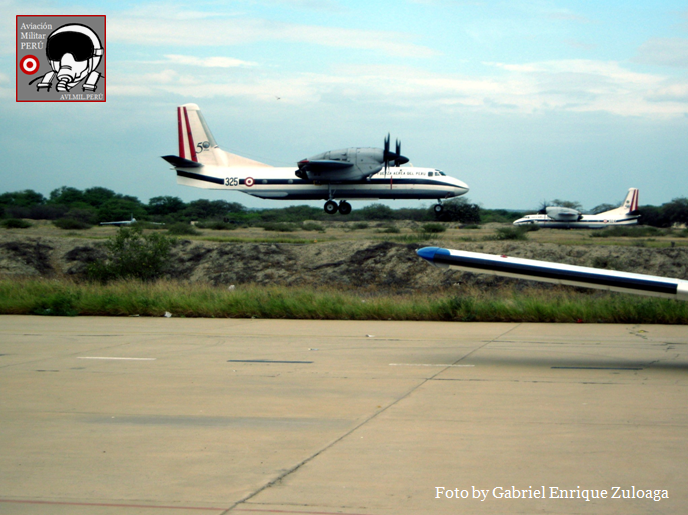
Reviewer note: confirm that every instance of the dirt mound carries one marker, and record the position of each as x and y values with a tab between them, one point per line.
374	265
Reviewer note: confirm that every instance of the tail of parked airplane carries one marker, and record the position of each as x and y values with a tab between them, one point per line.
197	144
629	206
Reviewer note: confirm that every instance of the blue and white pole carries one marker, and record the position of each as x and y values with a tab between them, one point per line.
572	275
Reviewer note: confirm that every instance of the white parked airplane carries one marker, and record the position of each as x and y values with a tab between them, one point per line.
566	218
122	222
346	174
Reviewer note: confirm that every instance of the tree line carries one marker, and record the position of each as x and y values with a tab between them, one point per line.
94	205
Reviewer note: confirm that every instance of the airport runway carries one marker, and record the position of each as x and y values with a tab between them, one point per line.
190	416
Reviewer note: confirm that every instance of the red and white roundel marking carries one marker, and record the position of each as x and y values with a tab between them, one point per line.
249	181
29	64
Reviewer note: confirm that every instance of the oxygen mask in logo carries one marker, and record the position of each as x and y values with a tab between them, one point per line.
74	52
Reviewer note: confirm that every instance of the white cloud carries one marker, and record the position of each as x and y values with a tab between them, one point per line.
139	30
664	52
207	62
567	86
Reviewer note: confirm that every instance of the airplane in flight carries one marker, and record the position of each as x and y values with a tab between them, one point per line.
336	175
558	273
556	217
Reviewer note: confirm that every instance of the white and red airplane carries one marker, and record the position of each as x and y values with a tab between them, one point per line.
346	174
556	217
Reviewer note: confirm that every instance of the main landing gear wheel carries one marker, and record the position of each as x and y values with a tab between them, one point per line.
331	207
438	208
344	207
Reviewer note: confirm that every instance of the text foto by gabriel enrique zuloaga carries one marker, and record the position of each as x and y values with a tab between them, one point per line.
551	492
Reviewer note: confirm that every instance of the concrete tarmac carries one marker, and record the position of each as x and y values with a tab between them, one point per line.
189	416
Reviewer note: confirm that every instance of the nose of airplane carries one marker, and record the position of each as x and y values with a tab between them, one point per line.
462	187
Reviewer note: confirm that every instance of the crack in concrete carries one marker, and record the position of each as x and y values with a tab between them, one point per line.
296	467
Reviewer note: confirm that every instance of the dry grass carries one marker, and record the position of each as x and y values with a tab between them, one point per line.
64	297
409	232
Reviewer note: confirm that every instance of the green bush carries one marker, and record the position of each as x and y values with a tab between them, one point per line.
16	223
629	232
392	229
132	254
312	226
511	233
182	229
433	228
217	226
279	226
71	224
360	225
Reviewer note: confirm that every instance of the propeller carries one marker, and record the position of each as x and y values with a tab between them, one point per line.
394	157
543	208
387	157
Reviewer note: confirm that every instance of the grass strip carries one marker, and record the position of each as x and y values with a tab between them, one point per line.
64	297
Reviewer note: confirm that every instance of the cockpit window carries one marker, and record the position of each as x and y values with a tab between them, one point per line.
440	172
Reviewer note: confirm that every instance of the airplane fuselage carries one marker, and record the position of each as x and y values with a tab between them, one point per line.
406	182
586	222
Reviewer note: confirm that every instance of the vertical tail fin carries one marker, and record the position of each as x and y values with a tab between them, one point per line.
631	202
196	142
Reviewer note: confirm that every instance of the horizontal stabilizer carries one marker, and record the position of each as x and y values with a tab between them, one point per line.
180	162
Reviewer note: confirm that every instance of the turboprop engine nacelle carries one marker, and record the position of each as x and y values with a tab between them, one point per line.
563	213
347	164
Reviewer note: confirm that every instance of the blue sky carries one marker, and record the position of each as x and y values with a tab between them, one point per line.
522	100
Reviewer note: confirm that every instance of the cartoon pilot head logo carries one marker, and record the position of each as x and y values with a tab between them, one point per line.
74	52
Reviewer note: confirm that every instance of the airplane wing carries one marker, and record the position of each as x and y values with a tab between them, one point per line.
545	271
323	165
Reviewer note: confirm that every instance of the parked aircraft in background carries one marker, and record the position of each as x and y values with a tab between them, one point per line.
130	222
566	218
558	273
122	222
343	175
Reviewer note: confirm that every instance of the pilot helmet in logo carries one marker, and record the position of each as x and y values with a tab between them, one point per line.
74	51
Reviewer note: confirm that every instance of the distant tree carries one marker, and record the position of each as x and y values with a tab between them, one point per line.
120	209
653	216
66	195
503	216
602	208
206	209
571	204
676	211
166	205
291	214
459	210
25	198
97	196
377	212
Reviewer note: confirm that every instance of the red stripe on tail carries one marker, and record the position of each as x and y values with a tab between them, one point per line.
634	202
181	135
191	141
